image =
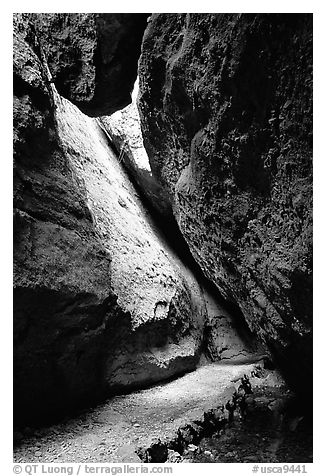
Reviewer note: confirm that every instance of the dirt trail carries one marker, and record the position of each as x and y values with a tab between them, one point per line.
111	432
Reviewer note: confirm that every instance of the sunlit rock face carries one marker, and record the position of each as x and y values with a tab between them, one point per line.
123	129
101	302
92	57
226	112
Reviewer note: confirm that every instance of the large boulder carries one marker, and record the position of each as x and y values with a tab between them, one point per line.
226	112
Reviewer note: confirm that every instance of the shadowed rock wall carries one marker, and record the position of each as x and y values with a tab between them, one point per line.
226	112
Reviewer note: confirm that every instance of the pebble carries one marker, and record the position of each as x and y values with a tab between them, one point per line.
230	454
251	458
192	448
137	425
38	453
173	456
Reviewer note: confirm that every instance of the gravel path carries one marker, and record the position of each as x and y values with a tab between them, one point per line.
112	431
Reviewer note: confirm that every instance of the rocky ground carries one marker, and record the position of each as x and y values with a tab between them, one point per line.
151	424
263	435
113	431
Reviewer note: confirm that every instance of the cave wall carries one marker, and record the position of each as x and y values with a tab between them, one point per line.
92	57
226	113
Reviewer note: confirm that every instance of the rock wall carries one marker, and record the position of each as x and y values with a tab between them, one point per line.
92	57
226	112
101	302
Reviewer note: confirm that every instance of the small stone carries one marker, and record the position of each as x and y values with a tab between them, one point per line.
192	448
208	453
136	425
38	453
230	454
173	457
251	458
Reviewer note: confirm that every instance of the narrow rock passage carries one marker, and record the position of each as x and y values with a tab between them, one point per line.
173	241
111	432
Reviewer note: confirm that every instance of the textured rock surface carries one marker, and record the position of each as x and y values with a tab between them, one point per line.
92	56
101	303
225	104
226	337
123	129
